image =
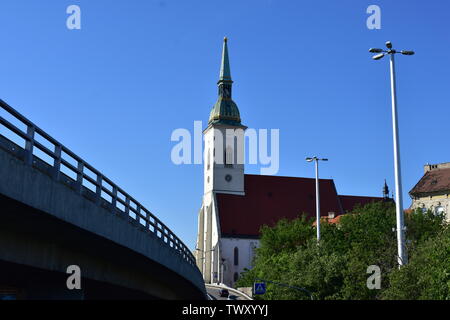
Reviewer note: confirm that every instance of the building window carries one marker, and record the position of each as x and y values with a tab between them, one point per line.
229	157
236	256
236	276
439	210
209	159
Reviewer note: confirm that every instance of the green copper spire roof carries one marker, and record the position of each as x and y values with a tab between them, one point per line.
225	111
225	73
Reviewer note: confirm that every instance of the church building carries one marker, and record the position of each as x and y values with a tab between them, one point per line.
236	205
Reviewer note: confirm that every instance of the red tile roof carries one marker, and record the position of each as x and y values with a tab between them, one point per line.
349	202
335	220
270	198
433	181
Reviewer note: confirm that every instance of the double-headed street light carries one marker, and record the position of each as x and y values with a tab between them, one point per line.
402	255
316	159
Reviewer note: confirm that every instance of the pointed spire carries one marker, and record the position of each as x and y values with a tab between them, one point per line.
225	110
225	73
385	190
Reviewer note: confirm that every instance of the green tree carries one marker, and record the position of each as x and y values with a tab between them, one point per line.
272	259
336	268
370	241
427	275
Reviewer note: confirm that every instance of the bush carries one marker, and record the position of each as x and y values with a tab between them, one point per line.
337	267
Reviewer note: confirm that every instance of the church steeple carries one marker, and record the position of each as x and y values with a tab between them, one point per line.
225	73
225	111
385	190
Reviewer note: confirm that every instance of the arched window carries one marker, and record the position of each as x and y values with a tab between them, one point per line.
236	256
236	276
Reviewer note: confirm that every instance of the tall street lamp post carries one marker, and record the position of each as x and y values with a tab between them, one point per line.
402	255
316	160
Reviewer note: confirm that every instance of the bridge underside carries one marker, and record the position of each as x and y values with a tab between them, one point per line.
24	282
36	248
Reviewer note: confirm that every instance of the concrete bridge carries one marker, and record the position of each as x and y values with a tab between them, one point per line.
56	211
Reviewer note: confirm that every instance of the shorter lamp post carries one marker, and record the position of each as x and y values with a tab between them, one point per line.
316	160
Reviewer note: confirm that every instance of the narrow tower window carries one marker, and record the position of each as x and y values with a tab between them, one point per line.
229	157
236	256
209	159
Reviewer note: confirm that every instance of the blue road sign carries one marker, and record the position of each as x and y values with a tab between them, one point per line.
259	288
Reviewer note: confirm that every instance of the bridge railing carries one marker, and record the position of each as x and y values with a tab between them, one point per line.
82	177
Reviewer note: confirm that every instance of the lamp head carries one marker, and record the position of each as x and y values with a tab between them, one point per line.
375	50
378	56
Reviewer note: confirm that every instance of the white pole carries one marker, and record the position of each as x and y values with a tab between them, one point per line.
402	255
221	273
317	201
219	276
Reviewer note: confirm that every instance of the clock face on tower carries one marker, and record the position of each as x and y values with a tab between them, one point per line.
228	178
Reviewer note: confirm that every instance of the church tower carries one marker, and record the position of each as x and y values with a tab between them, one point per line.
223	170
224	138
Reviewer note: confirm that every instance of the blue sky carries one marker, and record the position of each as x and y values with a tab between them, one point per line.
114	91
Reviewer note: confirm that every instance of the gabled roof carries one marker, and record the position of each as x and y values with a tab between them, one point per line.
349	202
433	181
270	198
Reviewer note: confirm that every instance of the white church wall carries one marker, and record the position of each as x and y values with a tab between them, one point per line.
246	251
209	161
200	240
214	243
207	243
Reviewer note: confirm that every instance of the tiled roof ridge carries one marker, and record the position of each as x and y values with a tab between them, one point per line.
285	177
422	185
